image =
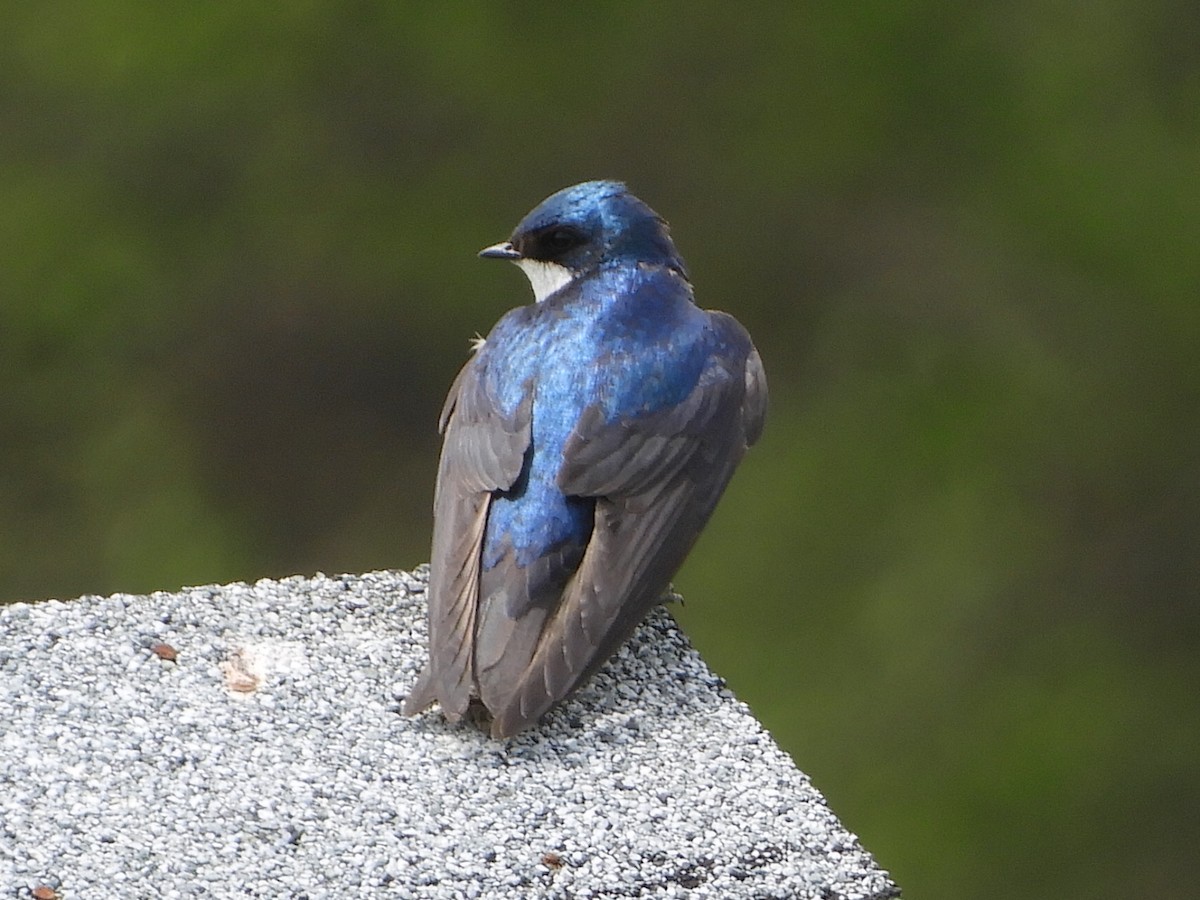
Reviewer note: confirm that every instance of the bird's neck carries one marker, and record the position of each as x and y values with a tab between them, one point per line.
545	277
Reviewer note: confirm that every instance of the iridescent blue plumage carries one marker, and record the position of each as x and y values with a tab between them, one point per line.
587	442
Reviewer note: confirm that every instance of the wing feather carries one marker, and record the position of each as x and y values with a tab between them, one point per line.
657	479
523	637
483	451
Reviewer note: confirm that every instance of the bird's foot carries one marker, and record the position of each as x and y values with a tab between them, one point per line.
670	595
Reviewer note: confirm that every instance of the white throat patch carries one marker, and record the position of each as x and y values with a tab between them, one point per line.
545	277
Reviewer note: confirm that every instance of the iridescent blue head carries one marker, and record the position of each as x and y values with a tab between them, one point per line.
582	228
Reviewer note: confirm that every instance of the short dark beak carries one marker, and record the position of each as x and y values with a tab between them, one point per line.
503	250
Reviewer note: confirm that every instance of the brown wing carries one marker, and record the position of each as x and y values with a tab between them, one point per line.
656	480
483	451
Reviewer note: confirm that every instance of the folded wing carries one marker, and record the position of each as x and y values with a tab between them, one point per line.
483	451
656	480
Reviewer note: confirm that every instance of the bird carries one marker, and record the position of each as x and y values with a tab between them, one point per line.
586	442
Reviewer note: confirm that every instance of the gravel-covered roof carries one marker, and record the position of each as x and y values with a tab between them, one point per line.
245	740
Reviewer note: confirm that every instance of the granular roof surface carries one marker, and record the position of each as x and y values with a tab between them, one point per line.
245	740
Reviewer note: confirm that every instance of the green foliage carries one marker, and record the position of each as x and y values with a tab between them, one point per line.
958	578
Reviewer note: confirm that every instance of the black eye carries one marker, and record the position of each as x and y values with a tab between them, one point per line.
558	241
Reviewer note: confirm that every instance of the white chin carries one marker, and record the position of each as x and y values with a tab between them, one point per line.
544	277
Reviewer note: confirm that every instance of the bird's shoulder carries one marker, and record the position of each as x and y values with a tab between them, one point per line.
640	287
740	354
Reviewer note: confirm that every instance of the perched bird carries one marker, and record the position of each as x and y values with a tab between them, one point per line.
587	441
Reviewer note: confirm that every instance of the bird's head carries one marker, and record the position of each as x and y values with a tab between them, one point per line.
581	228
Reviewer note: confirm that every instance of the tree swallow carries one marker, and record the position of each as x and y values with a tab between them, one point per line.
586	442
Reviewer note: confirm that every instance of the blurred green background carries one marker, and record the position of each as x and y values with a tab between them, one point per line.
958	579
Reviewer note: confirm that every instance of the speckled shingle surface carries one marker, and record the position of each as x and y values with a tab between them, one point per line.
269	759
